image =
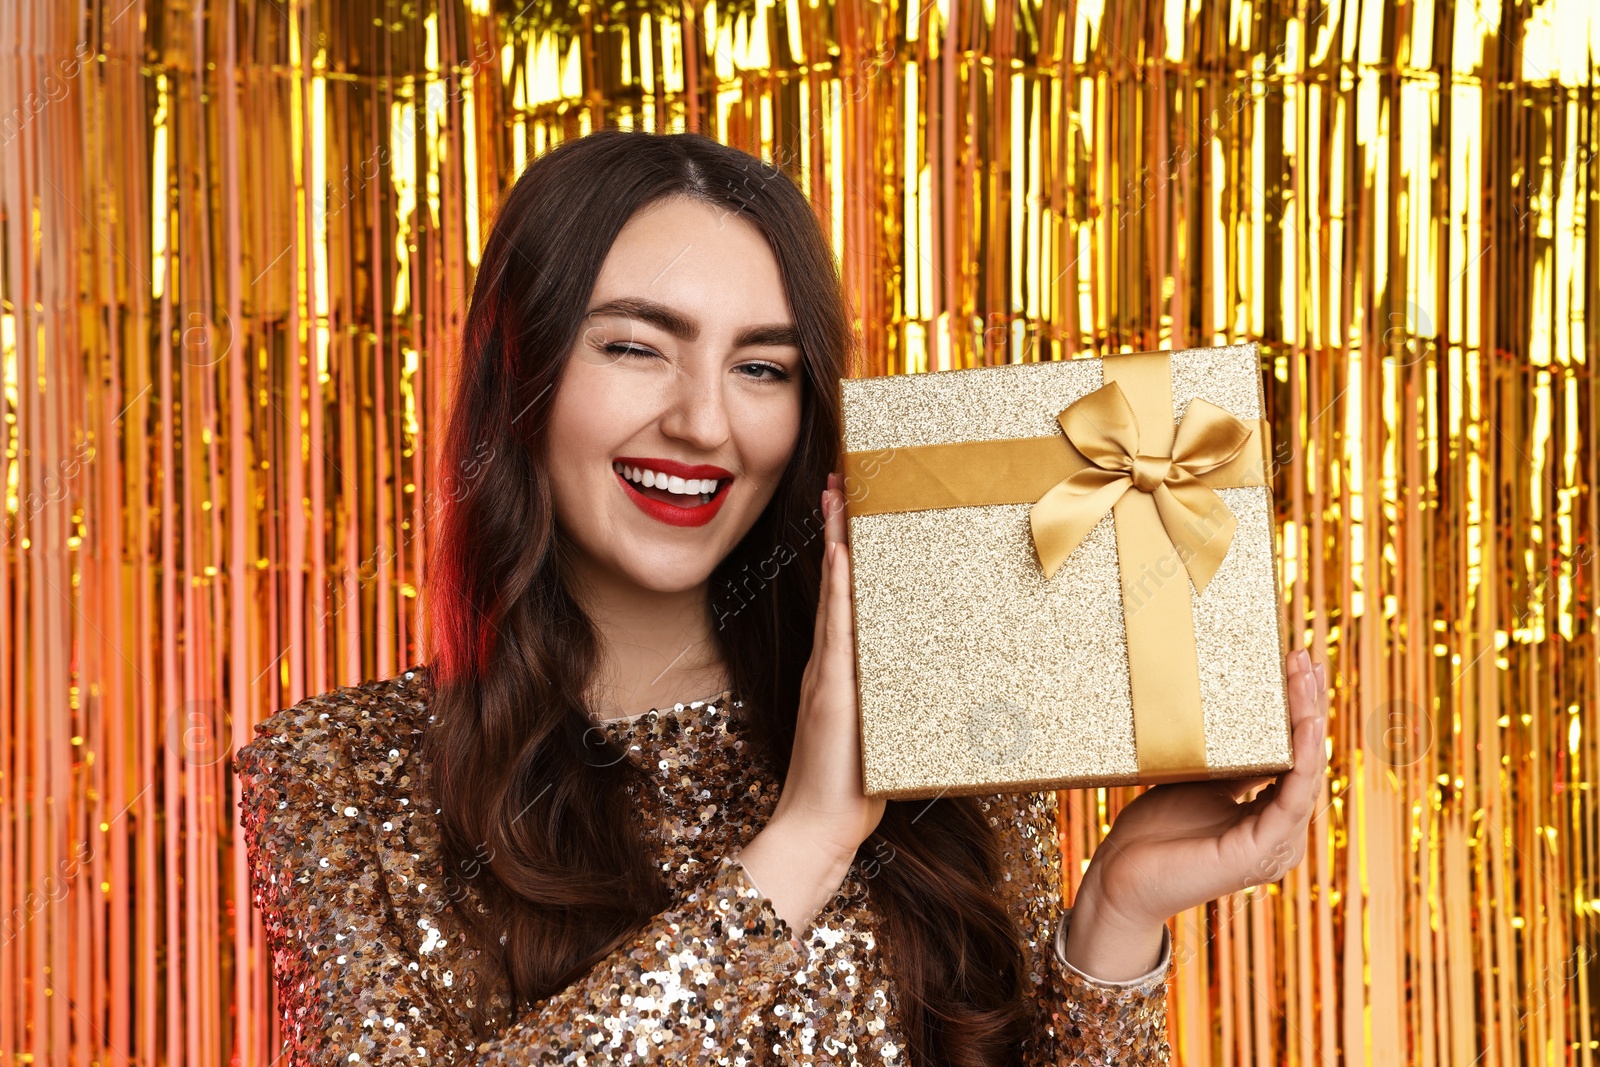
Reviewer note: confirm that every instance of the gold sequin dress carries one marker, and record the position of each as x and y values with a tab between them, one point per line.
368	957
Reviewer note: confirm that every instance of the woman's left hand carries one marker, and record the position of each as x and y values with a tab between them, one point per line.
1181	844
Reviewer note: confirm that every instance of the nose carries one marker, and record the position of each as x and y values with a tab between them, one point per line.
696	410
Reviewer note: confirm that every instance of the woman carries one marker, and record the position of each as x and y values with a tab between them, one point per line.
500	858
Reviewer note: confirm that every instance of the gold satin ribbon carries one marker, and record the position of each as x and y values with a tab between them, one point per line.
1116	439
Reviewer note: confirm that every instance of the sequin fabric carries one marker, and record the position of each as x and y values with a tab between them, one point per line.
369	958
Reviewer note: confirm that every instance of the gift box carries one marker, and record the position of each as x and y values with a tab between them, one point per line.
1065	574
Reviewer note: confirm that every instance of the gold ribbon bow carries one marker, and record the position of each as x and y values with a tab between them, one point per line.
1102	426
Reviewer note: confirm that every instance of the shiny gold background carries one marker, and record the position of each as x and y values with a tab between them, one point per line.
235	243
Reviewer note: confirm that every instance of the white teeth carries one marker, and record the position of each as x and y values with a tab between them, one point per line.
701	487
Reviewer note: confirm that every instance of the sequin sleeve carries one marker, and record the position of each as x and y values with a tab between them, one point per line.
692	987
1079	1021
695	987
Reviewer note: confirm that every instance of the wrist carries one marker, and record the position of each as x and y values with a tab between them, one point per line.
803	835
1106	945
797	876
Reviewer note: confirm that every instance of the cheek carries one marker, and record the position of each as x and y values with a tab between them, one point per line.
577	441
768	441
592	412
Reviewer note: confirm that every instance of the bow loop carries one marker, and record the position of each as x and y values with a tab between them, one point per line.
1101	425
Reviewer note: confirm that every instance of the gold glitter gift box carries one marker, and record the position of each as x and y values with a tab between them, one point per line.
1065	575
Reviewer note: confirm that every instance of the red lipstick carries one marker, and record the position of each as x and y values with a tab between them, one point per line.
673	514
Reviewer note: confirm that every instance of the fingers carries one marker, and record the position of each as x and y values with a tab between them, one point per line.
1303	691
840	629
841	618
1281	823
834	619
1303	688
836	573
1313	686
833	509
823	594
1280	813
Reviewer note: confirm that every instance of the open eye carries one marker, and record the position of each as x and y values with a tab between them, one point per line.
776	373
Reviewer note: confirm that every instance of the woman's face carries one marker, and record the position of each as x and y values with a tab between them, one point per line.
687	366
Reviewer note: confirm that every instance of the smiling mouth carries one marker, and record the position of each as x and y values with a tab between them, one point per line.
690	493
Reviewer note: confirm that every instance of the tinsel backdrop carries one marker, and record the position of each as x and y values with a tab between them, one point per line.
236	240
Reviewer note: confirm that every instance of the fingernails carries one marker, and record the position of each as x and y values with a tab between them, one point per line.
1322	675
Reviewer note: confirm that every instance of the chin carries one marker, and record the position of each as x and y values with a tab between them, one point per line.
659	567
665	579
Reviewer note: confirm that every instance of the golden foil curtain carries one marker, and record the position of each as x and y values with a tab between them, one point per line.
235	244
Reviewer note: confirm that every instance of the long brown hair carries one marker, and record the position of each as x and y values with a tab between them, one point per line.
513	652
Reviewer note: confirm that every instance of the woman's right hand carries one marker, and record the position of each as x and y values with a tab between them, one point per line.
822	803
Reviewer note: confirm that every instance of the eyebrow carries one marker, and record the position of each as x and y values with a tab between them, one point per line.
687	329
